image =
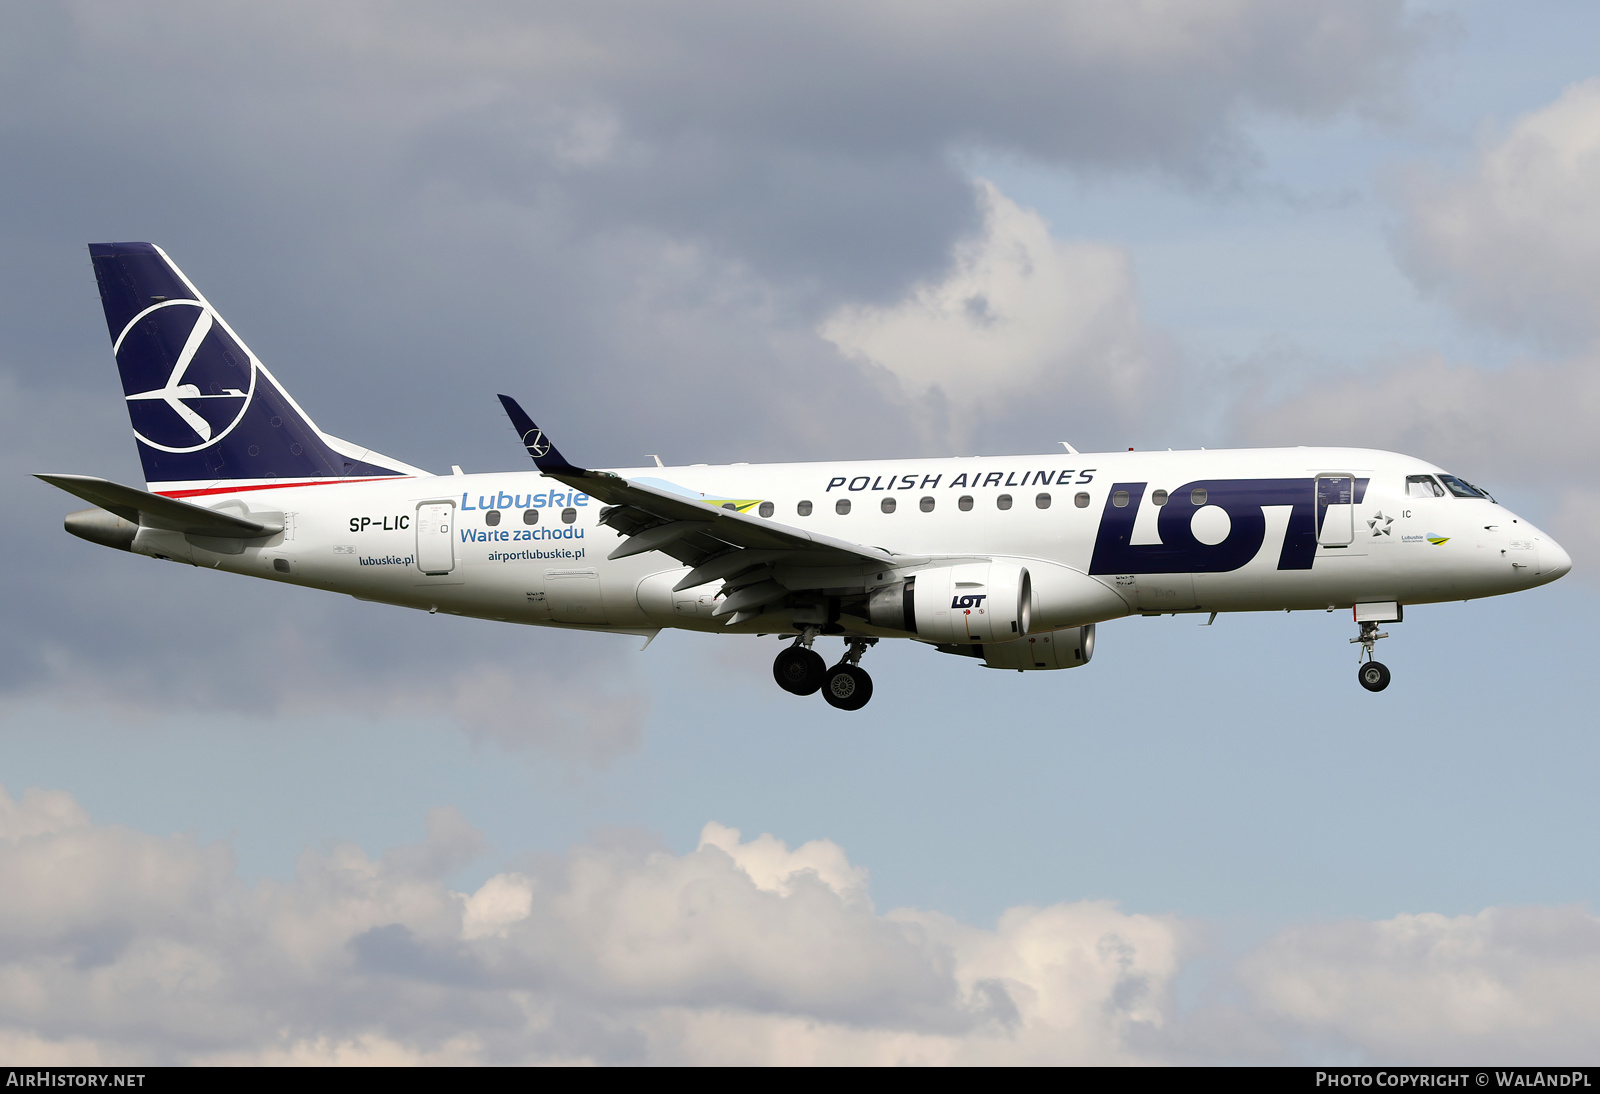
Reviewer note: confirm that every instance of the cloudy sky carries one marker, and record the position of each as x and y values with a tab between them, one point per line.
246	823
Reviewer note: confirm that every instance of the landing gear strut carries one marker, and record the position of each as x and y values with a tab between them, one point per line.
1374	675
848	687
800	669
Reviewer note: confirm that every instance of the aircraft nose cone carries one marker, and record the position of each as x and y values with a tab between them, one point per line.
1553	559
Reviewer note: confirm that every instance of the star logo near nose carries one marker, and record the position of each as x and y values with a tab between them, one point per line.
1379	524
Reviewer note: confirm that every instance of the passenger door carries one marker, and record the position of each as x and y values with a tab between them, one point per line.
436	546
1336	511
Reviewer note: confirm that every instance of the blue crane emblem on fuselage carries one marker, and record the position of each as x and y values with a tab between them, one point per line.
187	381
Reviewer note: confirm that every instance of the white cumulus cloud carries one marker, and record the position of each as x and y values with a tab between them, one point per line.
1515	240
773	867
1018	316
1506	984
117	946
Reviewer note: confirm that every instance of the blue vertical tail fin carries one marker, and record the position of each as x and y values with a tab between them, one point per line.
206	413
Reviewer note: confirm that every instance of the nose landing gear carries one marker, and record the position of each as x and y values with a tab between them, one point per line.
1374	675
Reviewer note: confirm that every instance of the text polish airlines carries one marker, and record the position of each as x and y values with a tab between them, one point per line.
1008	560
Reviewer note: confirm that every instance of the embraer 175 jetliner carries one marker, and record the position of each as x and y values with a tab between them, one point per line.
1009	560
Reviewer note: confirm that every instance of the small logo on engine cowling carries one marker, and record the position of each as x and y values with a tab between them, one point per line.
970	600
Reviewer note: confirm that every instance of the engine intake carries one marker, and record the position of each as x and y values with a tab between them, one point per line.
973	602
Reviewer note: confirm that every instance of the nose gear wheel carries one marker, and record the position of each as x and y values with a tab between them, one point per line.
1374	675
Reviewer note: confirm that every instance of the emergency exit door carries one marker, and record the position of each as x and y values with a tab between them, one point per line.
436	525
1336	510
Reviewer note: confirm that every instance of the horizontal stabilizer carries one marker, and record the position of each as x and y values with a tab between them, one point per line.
154	511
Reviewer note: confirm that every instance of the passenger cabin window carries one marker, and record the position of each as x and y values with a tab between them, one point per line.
530	516
804	509
842	506
888	505
492	517
1003	501
568	516
1158	498
926	505
1198	496
1042	501
765	509
1081	501
1423	486
965	503
1120	499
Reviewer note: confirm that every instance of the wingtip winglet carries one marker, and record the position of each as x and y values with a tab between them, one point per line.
546	457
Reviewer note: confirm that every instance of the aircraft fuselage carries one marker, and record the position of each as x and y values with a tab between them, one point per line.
1237	530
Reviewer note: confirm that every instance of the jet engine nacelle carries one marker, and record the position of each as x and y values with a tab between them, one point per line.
1063	649
972	602
1065	598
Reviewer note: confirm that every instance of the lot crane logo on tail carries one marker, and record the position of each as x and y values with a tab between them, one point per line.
208	389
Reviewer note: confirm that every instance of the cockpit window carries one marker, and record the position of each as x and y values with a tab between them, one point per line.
1423	486
1461	488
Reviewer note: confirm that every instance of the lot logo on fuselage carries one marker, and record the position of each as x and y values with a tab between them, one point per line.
1180	552
188	383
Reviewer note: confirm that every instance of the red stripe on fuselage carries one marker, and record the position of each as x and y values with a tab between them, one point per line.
269	486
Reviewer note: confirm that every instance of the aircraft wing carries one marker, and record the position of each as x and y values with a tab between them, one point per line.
712	536
154	511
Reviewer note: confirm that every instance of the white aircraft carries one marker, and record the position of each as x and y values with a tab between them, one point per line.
1010	560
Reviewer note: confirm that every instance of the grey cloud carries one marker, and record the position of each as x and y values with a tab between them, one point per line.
169	956
382	196
1508	985
404	211
810	144
451	843
392	950
118	945
1509	243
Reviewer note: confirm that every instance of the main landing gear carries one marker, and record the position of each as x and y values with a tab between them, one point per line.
1374	675
800	670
